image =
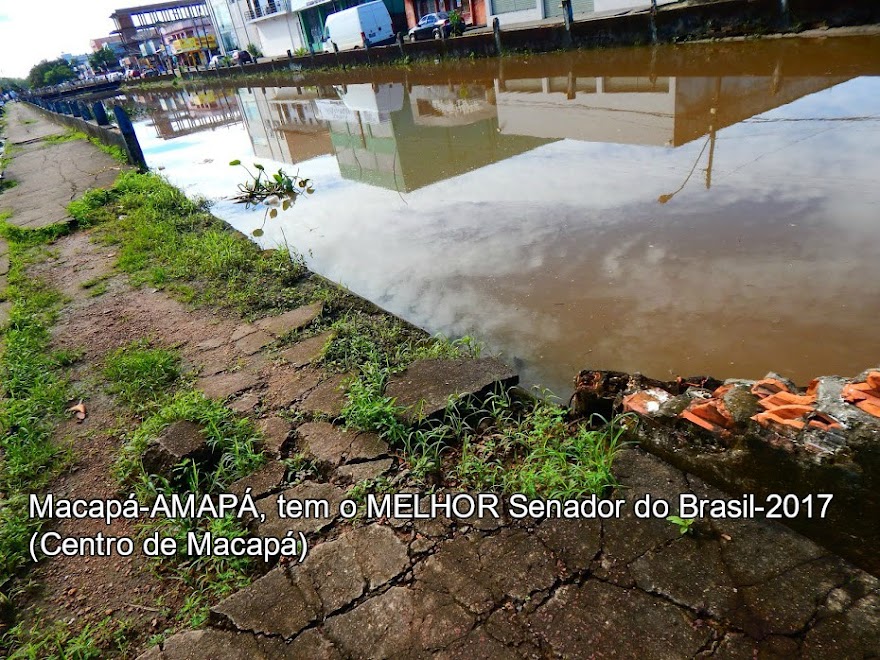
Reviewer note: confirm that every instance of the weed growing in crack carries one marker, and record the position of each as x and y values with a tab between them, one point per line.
359	492
685	525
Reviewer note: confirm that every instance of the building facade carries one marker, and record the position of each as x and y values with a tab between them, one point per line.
172	33
473	12
277	27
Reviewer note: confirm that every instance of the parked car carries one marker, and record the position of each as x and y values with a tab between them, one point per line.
241	57
217	61
149	73
132	73
430	26
361	26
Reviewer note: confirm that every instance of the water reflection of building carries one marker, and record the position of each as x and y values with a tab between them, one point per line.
283	122
407	137
382	134
641	109
189	112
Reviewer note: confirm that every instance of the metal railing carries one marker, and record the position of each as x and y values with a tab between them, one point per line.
267	9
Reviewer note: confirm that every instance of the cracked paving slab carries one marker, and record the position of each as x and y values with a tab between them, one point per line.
76	165
626	588
335	574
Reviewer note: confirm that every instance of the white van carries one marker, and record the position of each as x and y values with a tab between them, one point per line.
368	24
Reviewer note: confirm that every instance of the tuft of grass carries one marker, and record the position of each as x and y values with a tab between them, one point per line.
208	578
117	153
234	441
140	376
172	242
559	461
68	136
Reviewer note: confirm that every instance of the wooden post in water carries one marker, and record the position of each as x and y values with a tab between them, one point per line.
135	155
496	29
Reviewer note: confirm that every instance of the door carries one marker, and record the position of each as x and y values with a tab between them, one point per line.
554	7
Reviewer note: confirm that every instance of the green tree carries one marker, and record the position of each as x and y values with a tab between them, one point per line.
17	84
50	73
104	59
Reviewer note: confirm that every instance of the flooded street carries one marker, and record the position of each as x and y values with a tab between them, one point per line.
580	210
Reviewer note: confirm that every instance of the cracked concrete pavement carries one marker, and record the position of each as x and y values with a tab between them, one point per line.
47	180
624	588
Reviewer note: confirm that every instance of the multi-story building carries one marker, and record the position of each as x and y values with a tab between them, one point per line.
168	33
279	26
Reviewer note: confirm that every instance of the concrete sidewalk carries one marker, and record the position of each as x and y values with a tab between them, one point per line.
48	176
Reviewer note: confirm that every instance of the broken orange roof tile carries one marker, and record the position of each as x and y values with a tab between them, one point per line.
721	391
786	399
769	418
869	407
865	396
710	414
645	402
768	386
699	421
824	423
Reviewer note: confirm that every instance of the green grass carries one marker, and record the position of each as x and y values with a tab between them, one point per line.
169	241
234	442
33	395
117	153
141	376
68	136
56	641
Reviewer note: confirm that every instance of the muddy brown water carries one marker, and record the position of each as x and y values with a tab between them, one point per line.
692	209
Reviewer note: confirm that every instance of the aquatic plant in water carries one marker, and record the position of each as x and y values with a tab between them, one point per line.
273	190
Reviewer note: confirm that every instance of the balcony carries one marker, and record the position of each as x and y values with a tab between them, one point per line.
267	9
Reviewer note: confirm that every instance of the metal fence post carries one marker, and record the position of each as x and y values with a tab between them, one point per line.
100	114
135	154
85	111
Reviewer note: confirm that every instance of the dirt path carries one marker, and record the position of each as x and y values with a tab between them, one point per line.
398	588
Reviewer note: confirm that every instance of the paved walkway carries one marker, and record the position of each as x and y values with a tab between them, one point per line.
48	176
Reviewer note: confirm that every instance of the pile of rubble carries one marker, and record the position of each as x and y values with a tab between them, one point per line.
764	436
